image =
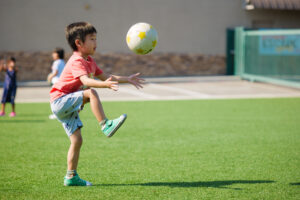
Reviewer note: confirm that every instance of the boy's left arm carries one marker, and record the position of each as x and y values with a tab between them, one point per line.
133	79
2	65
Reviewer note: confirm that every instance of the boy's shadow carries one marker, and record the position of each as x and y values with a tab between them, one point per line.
295	183
213	184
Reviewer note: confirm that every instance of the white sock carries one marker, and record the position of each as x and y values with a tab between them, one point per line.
102	123
71	173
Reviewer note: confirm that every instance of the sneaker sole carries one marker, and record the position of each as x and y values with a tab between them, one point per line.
118	126
87	184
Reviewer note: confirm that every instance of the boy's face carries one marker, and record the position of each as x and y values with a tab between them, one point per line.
10	63
90	44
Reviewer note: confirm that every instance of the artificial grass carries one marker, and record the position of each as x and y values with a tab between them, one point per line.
201	149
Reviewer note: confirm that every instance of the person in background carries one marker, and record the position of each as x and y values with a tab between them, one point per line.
10	85
58	65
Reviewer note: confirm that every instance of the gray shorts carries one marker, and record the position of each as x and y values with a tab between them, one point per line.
66	110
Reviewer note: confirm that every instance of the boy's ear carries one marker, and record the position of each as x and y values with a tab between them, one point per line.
78	43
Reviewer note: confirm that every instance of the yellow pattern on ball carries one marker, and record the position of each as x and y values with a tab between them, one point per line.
142	35
154	43
140	51
128	39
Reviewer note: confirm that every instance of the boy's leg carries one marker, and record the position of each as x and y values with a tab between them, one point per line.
13	113
74	150
109	127
4	100
91	96
2	112
72	178
12	101
13	107
12	98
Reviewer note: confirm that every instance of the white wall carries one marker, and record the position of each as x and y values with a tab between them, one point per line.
190	26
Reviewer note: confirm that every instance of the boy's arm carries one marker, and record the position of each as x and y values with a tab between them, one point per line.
133	79
2	65
108	83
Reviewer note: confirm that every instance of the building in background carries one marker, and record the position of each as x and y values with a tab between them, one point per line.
184	26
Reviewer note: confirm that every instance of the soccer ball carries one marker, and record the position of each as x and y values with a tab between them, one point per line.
141	38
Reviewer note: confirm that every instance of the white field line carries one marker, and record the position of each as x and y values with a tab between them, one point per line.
181	91
138	93
33	100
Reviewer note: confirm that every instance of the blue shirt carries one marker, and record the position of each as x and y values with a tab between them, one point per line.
58	65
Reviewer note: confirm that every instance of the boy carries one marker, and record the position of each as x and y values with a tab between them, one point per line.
10	85
68	96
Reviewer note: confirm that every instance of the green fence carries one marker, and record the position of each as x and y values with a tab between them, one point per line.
268	56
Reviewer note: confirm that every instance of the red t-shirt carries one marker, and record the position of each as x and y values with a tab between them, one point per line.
69	81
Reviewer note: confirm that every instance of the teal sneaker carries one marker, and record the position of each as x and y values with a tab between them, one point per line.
76	181
111	126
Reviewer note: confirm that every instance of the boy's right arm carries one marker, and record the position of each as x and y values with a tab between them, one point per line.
108	83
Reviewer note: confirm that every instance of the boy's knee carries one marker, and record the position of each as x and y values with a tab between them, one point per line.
89	92
76	138
93	92
77	142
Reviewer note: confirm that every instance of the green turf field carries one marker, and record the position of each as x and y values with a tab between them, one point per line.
207	149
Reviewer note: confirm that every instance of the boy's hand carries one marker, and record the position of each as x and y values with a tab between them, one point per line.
111	84
135	80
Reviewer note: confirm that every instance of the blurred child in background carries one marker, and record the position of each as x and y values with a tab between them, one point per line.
58	65
10	85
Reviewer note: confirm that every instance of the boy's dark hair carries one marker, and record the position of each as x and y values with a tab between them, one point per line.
60	52
78	30
12	59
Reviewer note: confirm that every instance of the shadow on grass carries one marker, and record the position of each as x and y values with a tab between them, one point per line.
295	183
213	184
